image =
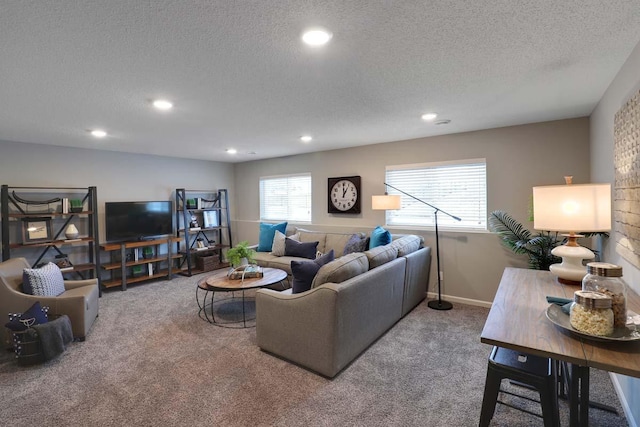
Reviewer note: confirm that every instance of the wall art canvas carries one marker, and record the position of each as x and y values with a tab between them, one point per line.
626	197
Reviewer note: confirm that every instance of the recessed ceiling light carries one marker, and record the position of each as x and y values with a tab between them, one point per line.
162	104
231	150
443	122
316	37
98	133
305	138
429	117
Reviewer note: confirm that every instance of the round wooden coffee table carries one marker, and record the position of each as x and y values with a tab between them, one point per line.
219	282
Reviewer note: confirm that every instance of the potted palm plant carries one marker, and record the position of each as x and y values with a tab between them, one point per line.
241	254
536	246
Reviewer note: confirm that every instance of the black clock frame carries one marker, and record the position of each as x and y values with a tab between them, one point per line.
356	208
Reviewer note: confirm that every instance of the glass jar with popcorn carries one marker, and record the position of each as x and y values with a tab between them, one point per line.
606	278
591	313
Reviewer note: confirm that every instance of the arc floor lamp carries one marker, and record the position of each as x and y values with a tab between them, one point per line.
393	202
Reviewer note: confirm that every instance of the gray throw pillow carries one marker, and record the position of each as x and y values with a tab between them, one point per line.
278	248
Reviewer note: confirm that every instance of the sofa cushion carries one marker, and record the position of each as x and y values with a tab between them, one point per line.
341	269
313	236
381	255
33	316
277	248
407	244
336	241
46	281
267	233
356	243
305	271
300	249
379	237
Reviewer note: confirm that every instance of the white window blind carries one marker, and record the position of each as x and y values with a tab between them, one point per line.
286	197
458	188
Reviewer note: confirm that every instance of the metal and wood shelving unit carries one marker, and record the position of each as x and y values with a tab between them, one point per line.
34	220
123	262
213	236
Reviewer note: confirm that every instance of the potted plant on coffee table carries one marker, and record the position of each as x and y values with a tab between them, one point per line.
241	254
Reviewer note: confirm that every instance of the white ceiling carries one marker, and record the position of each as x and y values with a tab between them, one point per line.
240	77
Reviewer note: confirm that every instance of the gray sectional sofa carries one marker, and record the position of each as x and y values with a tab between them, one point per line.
353	301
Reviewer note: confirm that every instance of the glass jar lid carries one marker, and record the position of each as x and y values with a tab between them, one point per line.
591	299
604	269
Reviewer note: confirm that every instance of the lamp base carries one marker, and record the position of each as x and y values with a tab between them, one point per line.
440	305
571	270
569	282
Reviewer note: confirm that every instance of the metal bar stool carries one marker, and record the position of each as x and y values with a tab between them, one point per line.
536	372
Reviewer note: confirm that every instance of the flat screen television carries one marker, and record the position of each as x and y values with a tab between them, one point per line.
138	220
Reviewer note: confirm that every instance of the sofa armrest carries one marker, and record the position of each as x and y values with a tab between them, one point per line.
299	327
73	284
416	282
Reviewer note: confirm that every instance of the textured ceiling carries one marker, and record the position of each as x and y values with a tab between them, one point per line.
240	77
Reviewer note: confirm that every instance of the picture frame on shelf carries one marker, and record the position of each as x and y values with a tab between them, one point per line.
210	219
36	230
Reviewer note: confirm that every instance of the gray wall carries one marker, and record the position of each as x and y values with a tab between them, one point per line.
625	85
518	158
117	176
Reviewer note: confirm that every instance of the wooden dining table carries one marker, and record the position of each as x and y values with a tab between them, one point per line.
517	320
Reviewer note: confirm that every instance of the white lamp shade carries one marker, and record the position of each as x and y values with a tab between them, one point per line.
386	202
573	207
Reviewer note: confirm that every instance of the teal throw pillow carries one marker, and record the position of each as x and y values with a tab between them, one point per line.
379	237
267	232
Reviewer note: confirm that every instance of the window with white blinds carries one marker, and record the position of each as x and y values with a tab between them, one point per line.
286	197
458	188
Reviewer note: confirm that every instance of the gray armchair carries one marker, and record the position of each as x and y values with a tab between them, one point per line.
79	301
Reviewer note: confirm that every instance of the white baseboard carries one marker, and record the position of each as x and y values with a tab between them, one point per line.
468	301
623	401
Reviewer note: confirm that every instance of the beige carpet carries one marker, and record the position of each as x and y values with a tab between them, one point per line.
151	361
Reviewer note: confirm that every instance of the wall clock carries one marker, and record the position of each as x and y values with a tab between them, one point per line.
344	195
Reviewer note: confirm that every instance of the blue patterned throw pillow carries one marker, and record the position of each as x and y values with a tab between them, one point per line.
46	281
356	243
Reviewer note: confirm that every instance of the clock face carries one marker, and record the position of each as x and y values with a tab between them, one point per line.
344	195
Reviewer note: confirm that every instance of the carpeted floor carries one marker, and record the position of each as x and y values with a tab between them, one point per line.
151	361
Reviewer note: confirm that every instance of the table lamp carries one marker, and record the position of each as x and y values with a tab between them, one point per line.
572	208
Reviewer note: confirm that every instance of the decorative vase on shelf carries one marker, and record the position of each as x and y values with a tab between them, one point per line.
71	232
